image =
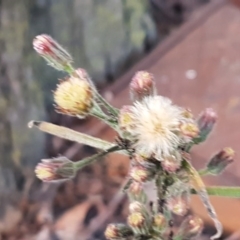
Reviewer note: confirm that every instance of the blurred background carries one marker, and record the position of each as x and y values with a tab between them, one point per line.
192	47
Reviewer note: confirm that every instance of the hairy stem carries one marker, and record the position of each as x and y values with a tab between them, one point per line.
103	117
114	111
86	161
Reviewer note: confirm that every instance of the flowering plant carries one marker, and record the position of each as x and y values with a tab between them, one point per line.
154	133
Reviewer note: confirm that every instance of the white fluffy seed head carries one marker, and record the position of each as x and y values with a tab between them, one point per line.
156	128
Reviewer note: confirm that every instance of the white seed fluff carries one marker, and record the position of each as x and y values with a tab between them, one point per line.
156	126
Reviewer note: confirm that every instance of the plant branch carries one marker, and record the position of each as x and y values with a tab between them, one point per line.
86	161
199	186
107	105
103	117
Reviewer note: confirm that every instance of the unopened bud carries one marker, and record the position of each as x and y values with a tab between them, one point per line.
170	164
136	219
125	119
159	221
53	53
141	174
220	161
191	227
136	187
142	160
206	122
179	205
142	85
136	207
187	114
189	130
56	169
117	231
138	222
74	97
136	192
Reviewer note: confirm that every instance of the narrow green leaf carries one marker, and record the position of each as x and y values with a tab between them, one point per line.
232	192
71	135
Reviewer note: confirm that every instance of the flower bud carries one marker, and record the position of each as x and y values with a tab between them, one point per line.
179	205
136	188
142	85
206	122
141	174
189	130
125	120
136	219
159	222
171	164
74	97
191	227
117	231
220	161
187	113
56	169
143	160
138	222
136	192
136	207
53	53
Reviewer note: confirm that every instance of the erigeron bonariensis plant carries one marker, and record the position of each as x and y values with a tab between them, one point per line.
154	133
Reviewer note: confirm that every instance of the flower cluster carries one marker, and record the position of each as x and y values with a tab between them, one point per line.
155	133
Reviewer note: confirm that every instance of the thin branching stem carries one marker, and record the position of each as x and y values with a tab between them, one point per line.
86	161
199	186
103	117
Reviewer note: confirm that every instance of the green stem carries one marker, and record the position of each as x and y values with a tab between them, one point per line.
102	116
86	161
69	69
114	111
203	172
